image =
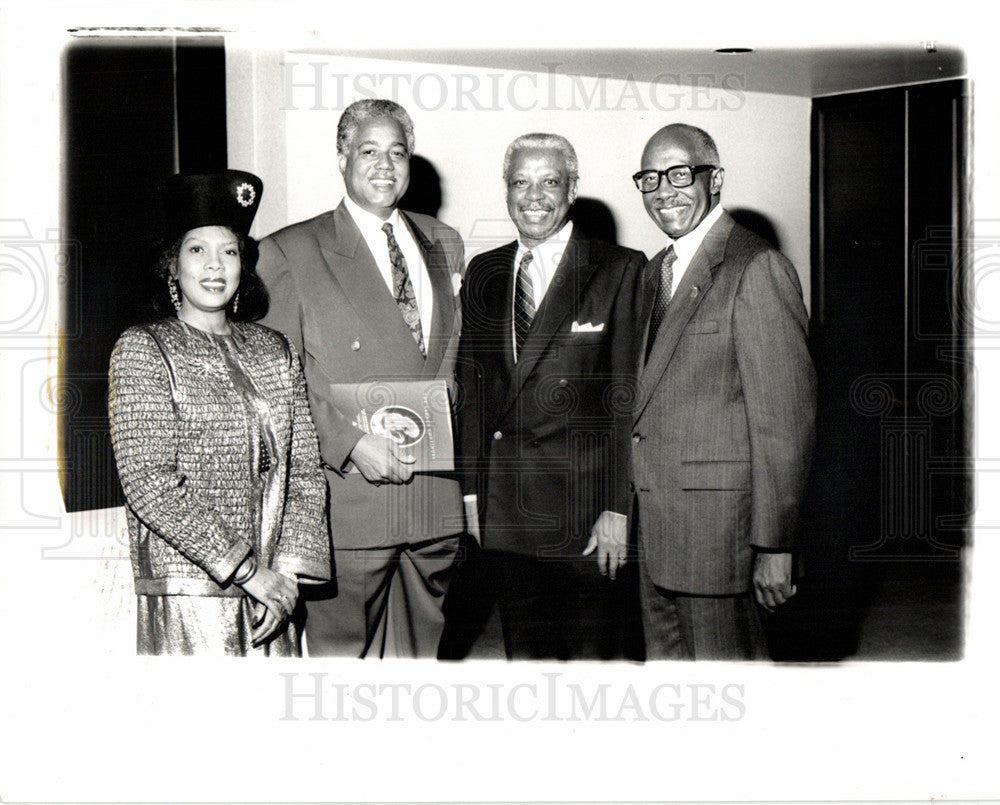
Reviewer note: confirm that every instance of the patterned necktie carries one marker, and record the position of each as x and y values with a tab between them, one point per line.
524	303
662	300
402	289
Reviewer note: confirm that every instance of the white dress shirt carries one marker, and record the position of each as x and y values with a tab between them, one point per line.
686	246
371	230
541	269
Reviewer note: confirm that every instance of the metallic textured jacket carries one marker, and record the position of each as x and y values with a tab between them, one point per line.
207	476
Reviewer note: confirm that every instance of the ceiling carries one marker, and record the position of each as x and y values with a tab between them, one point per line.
805	72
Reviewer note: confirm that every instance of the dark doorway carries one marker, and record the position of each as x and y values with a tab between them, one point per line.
889	501
135	112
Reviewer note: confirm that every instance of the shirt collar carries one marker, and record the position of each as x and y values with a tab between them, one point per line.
549	252
686	245
369	222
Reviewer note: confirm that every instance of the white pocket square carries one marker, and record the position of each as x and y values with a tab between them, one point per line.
587	327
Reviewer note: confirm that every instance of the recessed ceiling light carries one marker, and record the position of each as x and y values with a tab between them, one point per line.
734	50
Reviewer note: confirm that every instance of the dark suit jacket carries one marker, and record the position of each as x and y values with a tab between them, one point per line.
545	440
327	296
724	423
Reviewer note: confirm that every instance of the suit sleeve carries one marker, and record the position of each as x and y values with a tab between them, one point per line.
336	434
625	361
770	327
455	251
469	411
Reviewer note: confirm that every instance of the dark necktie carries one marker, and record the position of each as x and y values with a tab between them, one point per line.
662	300
402	289
524	303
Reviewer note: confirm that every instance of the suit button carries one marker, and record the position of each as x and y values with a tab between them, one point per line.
636	438
563	381
498	436
355	345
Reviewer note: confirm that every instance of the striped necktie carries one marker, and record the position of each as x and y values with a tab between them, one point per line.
524	303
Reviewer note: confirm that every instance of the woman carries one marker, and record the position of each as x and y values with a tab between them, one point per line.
215	447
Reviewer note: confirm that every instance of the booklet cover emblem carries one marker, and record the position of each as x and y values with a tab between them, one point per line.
415	414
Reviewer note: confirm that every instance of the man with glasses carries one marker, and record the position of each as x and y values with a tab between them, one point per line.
723	426
545	368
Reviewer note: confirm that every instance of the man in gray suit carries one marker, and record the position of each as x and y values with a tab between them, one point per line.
724	421
367	293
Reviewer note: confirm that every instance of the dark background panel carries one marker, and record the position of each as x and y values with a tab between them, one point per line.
887	508
134	112
201	106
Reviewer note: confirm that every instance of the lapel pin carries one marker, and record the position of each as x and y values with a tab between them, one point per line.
355	345
694	292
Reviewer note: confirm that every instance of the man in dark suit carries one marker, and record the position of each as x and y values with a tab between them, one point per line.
723	429
367	292
544	369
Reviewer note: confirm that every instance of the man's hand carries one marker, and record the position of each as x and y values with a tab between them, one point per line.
609	537
378	461
772	579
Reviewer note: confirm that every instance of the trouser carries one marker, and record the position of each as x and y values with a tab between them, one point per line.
469	604
562	609
384	602
679	626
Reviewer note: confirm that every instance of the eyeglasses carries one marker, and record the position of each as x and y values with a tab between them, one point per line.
677	175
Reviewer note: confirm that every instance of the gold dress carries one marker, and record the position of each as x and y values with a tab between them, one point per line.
217	456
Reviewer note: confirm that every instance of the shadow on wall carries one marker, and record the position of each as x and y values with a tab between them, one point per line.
424	195
595	218
758	224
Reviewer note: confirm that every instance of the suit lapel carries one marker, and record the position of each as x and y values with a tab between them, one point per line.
650	280
569	282
443	318
352	265
690	292
499	295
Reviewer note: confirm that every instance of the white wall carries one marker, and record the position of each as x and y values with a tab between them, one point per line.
284	107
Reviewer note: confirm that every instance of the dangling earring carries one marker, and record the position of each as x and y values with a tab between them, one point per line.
174	296
236	302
